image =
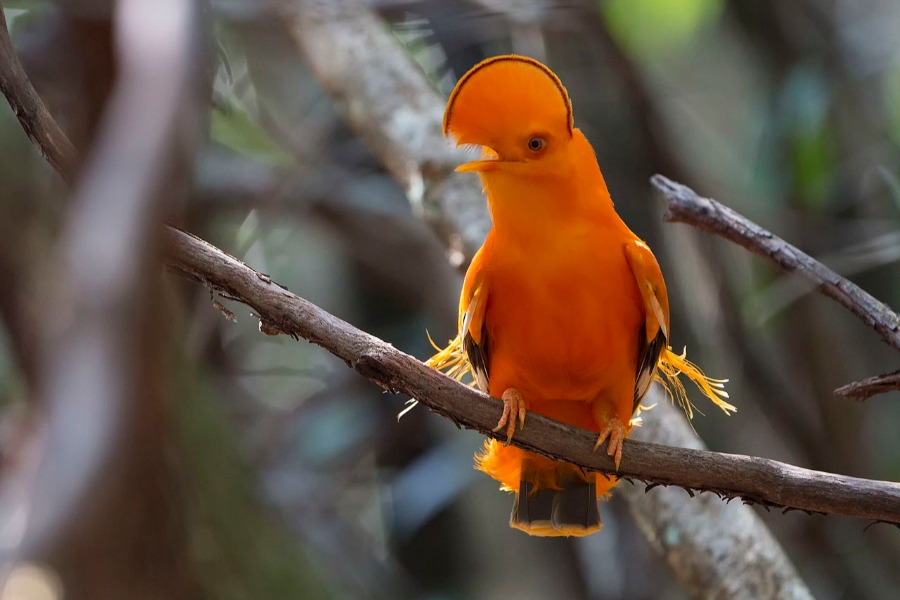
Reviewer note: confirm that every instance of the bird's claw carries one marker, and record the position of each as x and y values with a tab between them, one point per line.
513	410
615	432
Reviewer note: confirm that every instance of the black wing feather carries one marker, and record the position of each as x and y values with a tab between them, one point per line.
478	357
648	357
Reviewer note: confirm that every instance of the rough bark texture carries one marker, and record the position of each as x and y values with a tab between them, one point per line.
30	110
686	206
870	386
753	479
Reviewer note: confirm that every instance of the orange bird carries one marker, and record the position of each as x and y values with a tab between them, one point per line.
564	309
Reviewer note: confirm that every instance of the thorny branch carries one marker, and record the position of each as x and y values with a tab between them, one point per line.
686	206
752	479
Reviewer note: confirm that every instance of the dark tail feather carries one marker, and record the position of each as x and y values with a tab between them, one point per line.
569	511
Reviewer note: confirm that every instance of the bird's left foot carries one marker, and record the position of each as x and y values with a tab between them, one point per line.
615	431
513	410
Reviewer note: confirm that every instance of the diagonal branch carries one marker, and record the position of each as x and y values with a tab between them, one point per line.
30	109
870	386
685	206
752	479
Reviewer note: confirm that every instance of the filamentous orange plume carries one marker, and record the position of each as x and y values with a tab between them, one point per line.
564	309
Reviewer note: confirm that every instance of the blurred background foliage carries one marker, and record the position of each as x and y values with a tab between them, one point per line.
297	478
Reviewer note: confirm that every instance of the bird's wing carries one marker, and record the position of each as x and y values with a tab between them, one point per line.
654	337
472	331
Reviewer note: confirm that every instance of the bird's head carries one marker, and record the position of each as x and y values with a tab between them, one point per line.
517	110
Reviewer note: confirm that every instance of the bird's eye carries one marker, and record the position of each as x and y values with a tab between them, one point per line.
536	144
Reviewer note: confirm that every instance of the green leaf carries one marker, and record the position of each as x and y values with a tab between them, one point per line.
235	128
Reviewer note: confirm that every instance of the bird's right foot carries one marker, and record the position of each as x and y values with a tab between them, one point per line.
615	432
513	411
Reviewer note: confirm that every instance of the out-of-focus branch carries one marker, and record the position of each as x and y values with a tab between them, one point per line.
680	530
686	206
870	386
753	479
391	104
90	351
30	109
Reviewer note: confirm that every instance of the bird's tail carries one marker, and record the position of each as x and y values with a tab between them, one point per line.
553	498
569	511
672	365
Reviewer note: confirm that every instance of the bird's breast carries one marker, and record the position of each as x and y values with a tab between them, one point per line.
563	324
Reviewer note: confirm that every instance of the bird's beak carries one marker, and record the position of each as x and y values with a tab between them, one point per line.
490	161
478	166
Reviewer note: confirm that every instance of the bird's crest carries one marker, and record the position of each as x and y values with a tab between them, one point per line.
507	90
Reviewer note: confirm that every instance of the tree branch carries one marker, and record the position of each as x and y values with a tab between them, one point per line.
752	479
30	109
685	206
870	386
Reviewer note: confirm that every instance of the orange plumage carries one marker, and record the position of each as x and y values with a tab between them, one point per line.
564	309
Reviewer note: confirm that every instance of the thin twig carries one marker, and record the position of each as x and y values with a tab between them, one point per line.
870	386
686	206
756	480
30	109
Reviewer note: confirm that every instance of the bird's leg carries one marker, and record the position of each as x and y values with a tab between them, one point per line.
615	430
513	410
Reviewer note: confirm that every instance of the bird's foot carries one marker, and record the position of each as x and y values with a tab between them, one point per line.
513	410
615	431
